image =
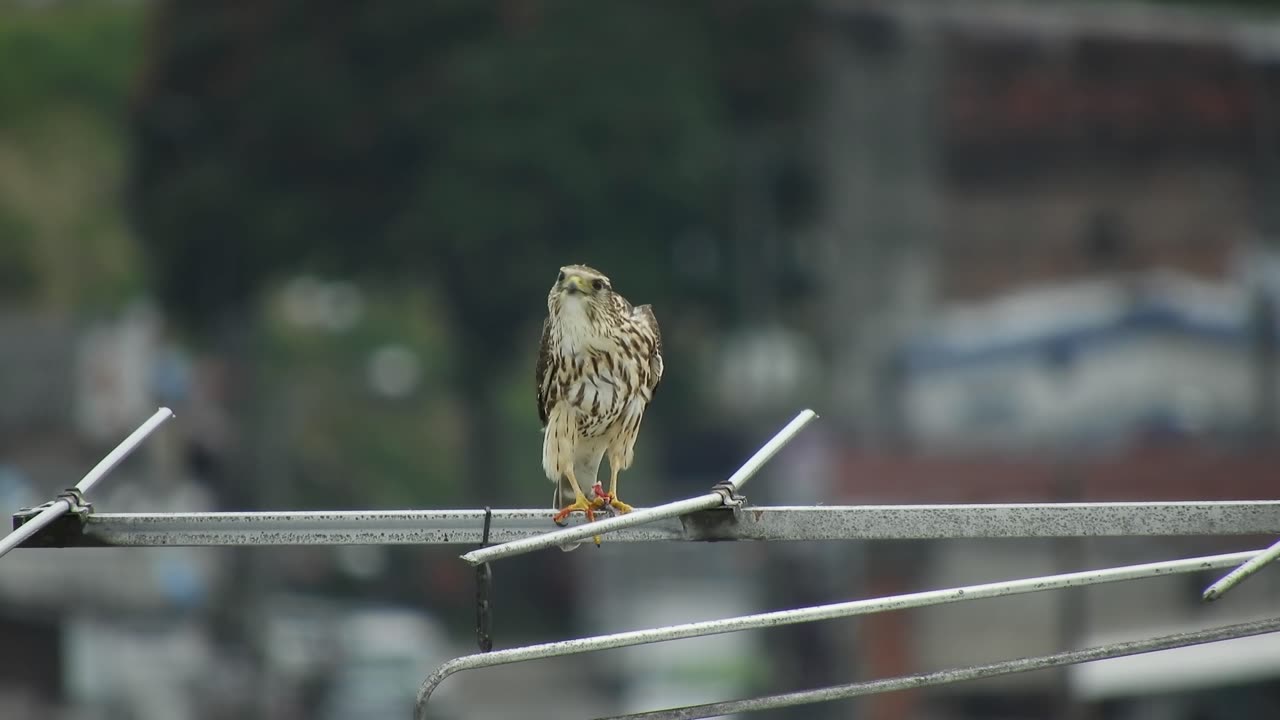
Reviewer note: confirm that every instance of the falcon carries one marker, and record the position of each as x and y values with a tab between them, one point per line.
599	363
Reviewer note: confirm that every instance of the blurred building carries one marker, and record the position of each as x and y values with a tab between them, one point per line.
121	631
1044	234
1093	364
972	149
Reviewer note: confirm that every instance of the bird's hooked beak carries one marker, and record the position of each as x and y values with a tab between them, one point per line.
574	283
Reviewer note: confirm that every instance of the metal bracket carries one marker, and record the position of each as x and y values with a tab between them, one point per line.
484	586
73	496
717	523
729	494
71	501
69	524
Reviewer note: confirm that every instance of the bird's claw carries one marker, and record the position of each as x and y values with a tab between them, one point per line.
608	500
581	504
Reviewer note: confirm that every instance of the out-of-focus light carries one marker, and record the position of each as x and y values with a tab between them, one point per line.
393	371
765	368
309	302
298	301
342	306
362	562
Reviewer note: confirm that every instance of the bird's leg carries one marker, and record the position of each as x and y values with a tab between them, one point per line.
612	498
580	502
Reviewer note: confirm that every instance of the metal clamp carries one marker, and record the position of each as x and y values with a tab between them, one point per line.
74	499
729	496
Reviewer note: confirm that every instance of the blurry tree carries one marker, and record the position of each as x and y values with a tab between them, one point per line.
65	71
471	146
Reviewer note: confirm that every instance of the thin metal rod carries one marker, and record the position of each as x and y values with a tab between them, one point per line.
976	672
773	523
820	612
61	506
640	517
123	450
1235	577
771	448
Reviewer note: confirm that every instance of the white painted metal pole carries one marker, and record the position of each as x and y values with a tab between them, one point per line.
819	612
646	515
975	672
1235	577
106	465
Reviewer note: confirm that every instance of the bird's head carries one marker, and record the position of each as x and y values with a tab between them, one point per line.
579	286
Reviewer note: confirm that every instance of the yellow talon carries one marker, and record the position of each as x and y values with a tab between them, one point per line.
602	500
580	504
621	507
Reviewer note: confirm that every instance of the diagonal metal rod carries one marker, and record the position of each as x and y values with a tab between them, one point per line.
712	499
976	672
1235	577
819	612
753	523
62	505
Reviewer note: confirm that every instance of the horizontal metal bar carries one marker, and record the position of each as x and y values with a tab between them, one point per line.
338	527
976	672
50	512
636	518
824	522
819	612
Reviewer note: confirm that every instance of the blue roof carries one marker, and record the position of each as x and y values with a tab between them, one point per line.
927	354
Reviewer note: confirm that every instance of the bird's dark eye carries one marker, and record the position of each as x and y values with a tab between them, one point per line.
560	277
597	284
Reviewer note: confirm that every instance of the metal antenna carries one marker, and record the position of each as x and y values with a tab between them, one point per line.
73	498
819	612
723	494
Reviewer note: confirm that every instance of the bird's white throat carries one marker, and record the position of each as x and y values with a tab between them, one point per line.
577	332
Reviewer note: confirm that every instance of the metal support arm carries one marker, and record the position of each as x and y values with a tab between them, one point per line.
771	523
819	612
974	672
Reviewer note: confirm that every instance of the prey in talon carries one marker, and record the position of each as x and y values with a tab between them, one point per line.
599	363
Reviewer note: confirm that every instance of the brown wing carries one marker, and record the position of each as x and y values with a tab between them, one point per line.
645	315
542	373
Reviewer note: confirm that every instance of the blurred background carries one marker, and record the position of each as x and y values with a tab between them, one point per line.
1010	251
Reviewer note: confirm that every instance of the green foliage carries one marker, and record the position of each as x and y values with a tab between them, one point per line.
65	70
343	444
469	147
80	55
17	268
478	145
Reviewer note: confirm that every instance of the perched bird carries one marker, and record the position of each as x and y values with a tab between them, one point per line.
599	363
